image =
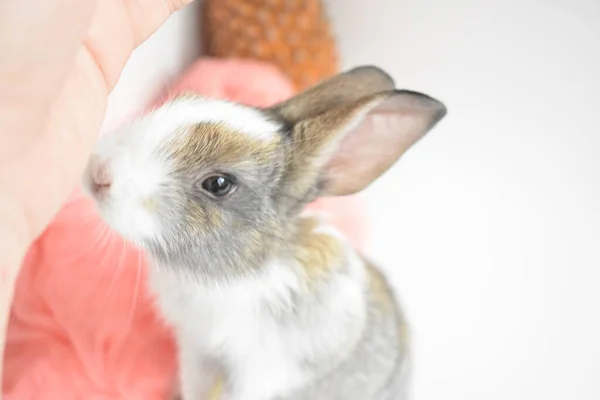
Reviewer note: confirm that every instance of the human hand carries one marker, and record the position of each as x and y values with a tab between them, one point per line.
60	59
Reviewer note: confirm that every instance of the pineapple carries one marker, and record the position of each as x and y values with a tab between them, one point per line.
294	35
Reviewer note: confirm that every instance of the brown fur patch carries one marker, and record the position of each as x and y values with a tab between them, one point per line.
404	333
380	290
383	296
217	144
318	253
150	204
254	240
216	393
210	145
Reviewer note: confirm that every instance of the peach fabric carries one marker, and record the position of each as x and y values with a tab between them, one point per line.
83	325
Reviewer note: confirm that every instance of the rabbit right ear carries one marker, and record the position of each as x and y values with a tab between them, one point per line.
349	130
340	90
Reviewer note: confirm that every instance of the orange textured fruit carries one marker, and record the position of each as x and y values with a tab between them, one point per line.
295	35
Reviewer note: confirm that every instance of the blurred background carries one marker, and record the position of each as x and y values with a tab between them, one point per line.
490	226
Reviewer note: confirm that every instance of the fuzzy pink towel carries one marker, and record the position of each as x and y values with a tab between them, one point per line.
83	324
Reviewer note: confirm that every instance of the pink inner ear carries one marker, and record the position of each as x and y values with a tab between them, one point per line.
375	144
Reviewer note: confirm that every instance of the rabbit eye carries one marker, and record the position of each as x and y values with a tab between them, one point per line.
219	185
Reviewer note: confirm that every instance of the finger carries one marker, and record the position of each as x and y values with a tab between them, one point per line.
120	26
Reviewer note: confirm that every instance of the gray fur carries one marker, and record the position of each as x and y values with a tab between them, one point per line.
217	241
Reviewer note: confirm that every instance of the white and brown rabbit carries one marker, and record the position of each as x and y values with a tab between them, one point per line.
268	299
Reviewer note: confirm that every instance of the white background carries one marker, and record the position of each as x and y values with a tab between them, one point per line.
490	226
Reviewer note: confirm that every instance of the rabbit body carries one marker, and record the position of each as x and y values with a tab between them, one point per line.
265	299
329	330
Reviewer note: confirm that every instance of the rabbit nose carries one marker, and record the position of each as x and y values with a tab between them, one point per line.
101	177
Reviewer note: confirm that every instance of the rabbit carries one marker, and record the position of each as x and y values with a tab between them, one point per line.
266	299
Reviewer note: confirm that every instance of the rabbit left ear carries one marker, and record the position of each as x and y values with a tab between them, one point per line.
352	145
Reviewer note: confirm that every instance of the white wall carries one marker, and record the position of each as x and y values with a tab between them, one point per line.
489	227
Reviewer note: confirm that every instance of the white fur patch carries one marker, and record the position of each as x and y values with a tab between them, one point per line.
234	324
179	113
135	174
239	324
